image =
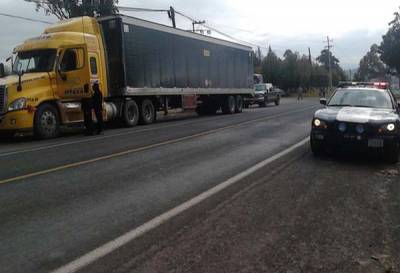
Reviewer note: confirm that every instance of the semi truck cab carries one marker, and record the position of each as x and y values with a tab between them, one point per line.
50	75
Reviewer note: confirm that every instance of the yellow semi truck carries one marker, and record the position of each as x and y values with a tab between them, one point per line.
141	67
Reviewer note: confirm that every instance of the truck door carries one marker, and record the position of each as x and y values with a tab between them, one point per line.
73	76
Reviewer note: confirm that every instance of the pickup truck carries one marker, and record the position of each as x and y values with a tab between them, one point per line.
264	93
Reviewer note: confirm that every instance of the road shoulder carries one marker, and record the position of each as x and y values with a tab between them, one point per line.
318	215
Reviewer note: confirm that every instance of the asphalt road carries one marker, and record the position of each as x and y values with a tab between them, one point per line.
306	214
61	198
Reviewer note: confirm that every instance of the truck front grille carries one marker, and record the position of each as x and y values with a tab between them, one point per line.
3	99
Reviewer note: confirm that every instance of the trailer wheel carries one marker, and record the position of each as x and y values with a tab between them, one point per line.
130	114
46	122
147	112
239	104
229	105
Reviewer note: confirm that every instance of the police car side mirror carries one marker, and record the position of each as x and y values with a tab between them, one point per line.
322	101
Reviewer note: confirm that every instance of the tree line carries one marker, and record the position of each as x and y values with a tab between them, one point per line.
294	70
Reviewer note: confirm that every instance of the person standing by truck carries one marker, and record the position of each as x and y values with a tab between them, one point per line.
300	93
98	107
93	103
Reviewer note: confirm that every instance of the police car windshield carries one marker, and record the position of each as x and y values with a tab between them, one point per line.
35	61
361	98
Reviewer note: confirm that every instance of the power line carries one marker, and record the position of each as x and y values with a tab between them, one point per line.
26	18
218	31
141	9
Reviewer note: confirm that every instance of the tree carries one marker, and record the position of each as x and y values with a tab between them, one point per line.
289	70
371	66
390	46
337	72
270	68
64	9
324	59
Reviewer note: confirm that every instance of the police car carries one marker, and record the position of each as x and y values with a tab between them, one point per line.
360	117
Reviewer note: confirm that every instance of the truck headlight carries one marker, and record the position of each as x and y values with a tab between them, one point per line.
17	104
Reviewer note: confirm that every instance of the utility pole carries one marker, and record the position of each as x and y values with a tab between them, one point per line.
309	55
329	46
171	15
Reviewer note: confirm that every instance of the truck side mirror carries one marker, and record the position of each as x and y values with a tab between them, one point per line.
2	70
62	74
322	101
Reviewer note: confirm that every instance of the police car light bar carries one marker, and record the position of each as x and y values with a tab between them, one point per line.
380	85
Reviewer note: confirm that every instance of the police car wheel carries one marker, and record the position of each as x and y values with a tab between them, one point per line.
46	122
147	112
392	156
317	149
130	115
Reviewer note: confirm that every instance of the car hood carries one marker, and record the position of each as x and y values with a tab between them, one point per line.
357	114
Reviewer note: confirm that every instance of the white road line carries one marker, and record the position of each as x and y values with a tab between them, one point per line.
45	147
109	247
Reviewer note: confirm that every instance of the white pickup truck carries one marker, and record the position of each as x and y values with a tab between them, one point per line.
264	93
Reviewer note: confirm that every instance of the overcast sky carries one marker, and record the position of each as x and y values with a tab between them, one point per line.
353	24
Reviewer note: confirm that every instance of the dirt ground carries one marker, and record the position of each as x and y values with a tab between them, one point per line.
317	215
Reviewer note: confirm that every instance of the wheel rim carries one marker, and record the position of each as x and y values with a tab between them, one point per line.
131	113
232	104
239	103
48	122
147	112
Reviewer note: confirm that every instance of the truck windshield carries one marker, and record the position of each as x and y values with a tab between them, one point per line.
260	87
35	61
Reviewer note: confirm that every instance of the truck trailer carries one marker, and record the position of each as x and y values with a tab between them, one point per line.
142	67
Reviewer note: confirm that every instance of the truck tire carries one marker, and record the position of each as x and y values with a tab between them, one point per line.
228	105
239	104
46	122
265	102
130	113
278	101
147	112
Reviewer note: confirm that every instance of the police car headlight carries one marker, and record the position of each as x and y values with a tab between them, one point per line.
391	127
17	104
319	124
342	127
360	128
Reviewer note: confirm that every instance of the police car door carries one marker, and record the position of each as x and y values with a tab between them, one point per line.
73	76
